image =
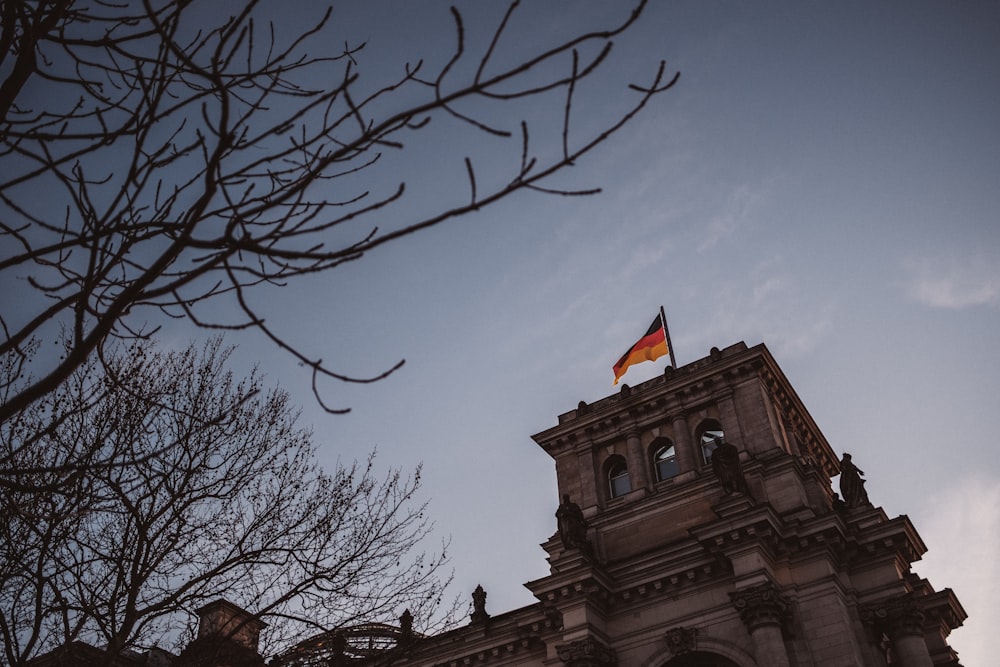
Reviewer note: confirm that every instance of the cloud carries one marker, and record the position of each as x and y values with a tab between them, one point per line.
736	211
962	531
768	305
953	283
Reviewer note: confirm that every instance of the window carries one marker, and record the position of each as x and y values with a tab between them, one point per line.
664	459
709	430
618	481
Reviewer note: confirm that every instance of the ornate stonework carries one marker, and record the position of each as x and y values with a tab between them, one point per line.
479	614
898	617
586	652
761	605
682	640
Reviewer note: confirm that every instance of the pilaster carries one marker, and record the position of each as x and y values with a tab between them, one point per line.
637	460
686	455
902	621
764	611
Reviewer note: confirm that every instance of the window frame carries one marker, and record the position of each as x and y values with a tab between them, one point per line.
617	472
707	431
663	444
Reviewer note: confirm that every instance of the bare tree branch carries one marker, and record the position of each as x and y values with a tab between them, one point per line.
185	163
221	497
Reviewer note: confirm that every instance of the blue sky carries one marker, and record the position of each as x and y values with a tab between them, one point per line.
825	178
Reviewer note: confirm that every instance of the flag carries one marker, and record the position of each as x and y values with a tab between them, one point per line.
650	347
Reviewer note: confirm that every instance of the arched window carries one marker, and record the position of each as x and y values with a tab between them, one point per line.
618	481
664	459
708	431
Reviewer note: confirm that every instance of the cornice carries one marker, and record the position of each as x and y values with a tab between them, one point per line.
942	607
500	651
709	572
668	394
895	537
584	583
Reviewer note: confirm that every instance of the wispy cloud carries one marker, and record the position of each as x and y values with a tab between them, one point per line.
954	282
767	305
734	214
965	522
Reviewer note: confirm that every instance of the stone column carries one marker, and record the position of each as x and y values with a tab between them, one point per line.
902	621
586	652
637	465
686	456
590	485
729	417
764	612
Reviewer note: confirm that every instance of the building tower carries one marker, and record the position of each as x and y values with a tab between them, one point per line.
696	561
698	527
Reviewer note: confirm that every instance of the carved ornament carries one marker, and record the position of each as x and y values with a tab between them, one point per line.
682	640
586	652
898	617
761	605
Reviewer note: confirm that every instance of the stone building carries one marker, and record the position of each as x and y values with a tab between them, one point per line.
699	526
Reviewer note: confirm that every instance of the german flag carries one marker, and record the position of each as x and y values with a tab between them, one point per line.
650	347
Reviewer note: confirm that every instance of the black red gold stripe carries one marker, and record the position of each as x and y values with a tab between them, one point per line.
650	347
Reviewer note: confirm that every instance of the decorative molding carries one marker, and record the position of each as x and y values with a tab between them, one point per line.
681	640
761	606
479	613
503	651
898	617
586	652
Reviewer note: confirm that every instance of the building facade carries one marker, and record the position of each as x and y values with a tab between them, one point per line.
699	526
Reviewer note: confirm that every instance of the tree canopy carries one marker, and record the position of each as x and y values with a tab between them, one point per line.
209	489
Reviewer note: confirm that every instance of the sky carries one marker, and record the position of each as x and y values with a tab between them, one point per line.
824	178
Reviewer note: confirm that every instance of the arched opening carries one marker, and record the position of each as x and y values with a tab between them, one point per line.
707	432
664	459
617	476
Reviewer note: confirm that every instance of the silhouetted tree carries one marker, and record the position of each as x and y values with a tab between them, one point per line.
155	159
208	489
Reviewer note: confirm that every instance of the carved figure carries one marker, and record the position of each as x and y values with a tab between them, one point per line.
727	467
479	605
852	486
405	628
572	525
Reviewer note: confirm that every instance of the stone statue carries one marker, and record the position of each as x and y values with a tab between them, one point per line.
479	605
852	486
727	467
405	628
572	525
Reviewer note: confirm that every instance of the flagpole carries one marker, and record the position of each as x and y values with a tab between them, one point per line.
666	334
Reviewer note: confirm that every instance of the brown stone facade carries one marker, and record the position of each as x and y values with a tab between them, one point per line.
688	563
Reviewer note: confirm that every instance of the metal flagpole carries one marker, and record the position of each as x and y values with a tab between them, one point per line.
666	334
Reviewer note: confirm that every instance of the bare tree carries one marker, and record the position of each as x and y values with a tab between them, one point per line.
221	497
154	162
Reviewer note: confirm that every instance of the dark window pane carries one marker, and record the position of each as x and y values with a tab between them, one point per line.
666	469
618	482
665	462
620	485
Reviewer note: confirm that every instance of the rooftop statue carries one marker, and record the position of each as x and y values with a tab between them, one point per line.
727	467
852	486
572	526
